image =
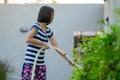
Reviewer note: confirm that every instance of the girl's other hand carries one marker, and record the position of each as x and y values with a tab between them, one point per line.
71	64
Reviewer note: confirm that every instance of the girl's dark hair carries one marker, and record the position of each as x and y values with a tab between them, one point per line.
45	14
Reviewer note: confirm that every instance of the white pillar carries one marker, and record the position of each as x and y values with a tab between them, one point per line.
106	16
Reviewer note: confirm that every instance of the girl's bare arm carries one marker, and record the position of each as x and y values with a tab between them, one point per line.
30	39
54	43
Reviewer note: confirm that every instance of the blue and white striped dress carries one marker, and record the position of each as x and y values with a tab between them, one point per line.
32	49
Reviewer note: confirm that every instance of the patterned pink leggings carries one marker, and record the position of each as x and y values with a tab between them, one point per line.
40	72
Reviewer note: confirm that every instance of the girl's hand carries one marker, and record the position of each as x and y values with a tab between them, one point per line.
45	47
71	63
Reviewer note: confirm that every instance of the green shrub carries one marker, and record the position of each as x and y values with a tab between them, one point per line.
101	59
5	70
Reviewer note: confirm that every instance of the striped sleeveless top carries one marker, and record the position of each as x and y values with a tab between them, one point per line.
32	49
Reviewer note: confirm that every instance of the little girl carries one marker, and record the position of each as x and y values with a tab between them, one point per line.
37	38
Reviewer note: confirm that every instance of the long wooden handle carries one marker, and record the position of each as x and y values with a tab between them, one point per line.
67	57
63	53
53	47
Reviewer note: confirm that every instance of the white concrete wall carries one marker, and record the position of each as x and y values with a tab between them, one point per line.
68	18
